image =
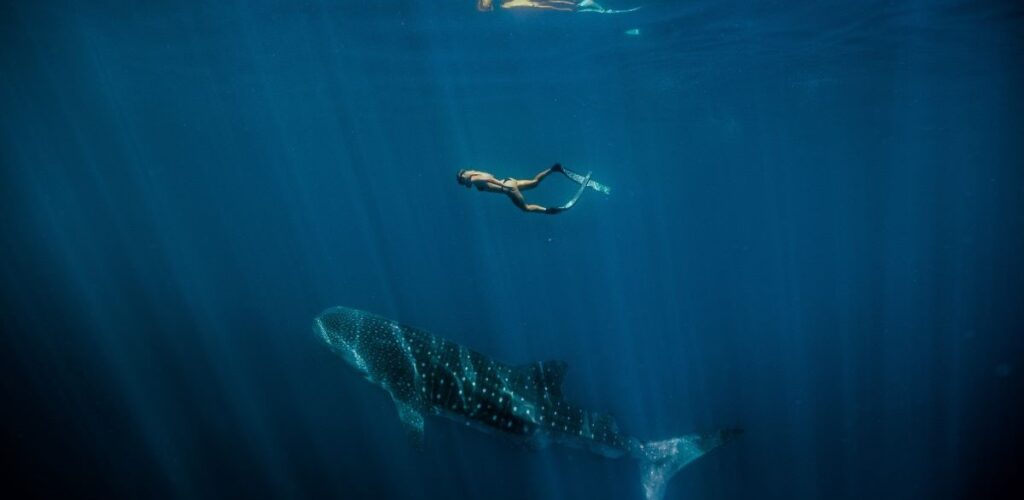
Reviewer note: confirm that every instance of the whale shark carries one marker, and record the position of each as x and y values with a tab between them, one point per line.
428	375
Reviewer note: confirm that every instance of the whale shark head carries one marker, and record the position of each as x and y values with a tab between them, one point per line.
342	329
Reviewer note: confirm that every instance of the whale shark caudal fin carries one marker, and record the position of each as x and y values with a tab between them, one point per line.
660	460
412	420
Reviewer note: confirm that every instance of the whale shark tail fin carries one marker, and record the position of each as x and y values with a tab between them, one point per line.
661	460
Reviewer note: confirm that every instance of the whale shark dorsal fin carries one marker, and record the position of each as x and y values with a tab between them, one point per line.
543	376
412	420
604	423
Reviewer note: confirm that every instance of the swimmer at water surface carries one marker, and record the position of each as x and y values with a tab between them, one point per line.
560	5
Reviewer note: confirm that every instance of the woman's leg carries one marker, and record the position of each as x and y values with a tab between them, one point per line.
539	4
519	201
532	183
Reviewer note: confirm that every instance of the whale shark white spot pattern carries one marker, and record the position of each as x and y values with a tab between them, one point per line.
424	373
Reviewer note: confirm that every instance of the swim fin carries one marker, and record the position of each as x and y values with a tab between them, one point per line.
579	179
592	6
567	206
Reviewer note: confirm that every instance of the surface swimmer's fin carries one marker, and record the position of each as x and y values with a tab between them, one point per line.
592	6
581	179
412	420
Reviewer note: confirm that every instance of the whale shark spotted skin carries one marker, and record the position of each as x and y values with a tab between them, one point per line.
428	375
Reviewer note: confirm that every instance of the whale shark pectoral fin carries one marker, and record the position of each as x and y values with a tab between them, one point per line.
545	376
412	420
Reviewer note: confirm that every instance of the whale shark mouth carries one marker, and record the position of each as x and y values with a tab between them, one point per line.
344	349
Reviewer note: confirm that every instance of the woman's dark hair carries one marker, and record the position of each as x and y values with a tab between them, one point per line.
459	179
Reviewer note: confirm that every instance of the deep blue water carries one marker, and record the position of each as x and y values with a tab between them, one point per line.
815	233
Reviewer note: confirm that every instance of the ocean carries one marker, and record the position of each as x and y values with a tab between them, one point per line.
814	233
